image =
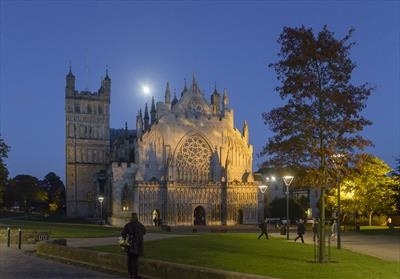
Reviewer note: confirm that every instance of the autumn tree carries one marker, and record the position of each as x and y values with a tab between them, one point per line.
24	191
322	114
368	188
56	192
4	149
396	176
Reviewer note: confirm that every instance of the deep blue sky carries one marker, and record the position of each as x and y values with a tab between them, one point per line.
227	42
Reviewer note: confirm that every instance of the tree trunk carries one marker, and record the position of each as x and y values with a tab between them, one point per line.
370	217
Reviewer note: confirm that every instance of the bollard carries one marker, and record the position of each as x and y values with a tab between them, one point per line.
8	236
19	237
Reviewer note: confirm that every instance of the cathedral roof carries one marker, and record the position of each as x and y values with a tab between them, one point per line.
192	101
117	134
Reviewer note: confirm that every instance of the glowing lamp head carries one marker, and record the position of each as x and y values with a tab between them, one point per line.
263	188
288	179
101	199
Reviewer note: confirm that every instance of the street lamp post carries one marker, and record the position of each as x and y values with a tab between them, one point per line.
101	199
288	180
263	189
337	158
338	218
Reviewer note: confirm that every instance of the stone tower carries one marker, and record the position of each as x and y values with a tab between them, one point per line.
87	144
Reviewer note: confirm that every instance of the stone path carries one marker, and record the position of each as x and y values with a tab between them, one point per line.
386	247
22	264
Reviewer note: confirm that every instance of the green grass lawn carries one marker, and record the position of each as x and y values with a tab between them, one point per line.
275	257
65	230
241	252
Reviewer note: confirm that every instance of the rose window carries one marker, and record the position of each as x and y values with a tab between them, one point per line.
193	160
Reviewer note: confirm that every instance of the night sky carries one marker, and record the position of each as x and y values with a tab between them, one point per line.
224	43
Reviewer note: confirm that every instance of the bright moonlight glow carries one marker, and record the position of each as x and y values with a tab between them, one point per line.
146	89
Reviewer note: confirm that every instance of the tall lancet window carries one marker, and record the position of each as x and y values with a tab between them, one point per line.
126	199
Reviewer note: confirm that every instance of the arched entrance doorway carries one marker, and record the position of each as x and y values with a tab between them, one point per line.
156	218
199	216
240	216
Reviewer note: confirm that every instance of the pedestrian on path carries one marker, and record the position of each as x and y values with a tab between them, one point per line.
334	230
134	232
300	230
264	229
315	230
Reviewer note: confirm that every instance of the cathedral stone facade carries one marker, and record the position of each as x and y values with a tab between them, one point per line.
185	163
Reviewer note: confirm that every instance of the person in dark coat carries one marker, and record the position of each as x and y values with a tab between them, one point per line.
264	230
135	231
315	230
300	230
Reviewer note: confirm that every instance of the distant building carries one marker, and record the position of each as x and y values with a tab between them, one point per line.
185	164
277	190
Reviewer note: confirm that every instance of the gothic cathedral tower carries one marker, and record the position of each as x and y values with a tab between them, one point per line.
87	143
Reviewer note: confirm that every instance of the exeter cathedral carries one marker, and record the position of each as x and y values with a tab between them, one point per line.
185	163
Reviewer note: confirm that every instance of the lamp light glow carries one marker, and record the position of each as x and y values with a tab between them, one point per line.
263	188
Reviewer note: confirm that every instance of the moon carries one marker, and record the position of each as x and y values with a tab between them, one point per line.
146	89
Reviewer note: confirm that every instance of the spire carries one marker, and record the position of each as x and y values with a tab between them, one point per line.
184	88
194	81
70	74
245	132
167	94
146	117
139	124
194	84
106	85
70	83
126	130
70	69
153	111
225	100
175	100
107	77
216	100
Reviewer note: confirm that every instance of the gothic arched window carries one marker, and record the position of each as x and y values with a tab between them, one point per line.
126	199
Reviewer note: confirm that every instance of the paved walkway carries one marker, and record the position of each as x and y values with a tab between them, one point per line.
23	264
386	247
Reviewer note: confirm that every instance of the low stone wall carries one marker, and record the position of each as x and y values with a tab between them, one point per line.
148	267
27	236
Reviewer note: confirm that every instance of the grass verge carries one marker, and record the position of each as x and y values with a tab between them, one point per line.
275	257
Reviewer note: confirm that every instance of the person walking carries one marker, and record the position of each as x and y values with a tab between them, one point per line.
134	231
264	229
300	230
315	230
334	230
